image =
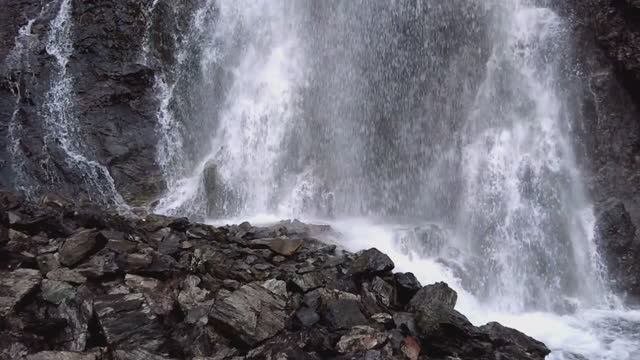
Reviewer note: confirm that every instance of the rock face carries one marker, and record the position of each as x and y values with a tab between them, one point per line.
216	295
113	107
607	108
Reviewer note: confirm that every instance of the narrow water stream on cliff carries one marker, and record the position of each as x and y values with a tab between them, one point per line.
436	131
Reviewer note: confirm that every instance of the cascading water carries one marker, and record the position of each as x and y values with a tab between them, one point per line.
61	126
446	121
61	130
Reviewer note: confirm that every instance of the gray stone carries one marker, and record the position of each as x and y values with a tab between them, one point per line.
309	281
78	247
383	291
435	294
138	354
407	285
101	264
160	298
282	245
63	355
253	313
307	317
343	314
56	292
371	262
360	339
68	275
127	322
47	263
191	295
14	286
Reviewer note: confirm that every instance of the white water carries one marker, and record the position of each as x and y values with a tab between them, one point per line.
61	126
523	217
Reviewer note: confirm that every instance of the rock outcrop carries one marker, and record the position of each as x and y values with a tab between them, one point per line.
96	285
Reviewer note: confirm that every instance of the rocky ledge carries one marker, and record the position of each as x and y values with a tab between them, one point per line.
81	283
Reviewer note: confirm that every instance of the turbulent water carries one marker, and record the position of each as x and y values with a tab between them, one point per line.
436	131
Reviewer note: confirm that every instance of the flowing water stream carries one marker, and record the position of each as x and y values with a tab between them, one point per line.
438	132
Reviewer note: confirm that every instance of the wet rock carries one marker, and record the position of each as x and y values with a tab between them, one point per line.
191	295
617	237
517	342
127	322
78	247
309	281
371	262
282	246
342	314
360	339
138	354
76	312
4	227
56	292
68	275
435	294
47	263
14	286
307	317
405	322
160	299
63	355
406	285
383	292
254	313
383	319
410	348
101	264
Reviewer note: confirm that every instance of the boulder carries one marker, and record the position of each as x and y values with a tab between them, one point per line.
410	348
406	286
360	339
516	341
342	313
78	247
371	262
307	316
14	286
253	313
435	294
56	292
127	322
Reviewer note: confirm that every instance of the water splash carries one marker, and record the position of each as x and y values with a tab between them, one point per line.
62	129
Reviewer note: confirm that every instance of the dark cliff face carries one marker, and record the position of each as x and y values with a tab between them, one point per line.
112	97
606	63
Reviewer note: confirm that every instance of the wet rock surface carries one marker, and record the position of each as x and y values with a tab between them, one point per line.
117	293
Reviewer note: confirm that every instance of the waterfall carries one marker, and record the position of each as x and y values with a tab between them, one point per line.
61	126
439	132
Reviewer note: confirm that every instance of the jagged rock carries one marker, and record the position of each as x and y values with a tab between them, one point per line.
76	311
435	294
160	299
342	313
282	246
14	286
410	348
102	263
518	342
191	295
68	275
78	247
617	237
383	319
309	281
371	262
63	355
407	286
307	317
360	339
4	227
127	322
56	292
254	312
138	354
47	263
405	322
383	292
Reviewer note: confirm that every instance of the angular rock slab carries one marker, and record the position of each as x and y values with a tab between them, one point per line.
14	286
254	312
371	262
360	339
77	247
282	246
127	322
63	355
434	294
